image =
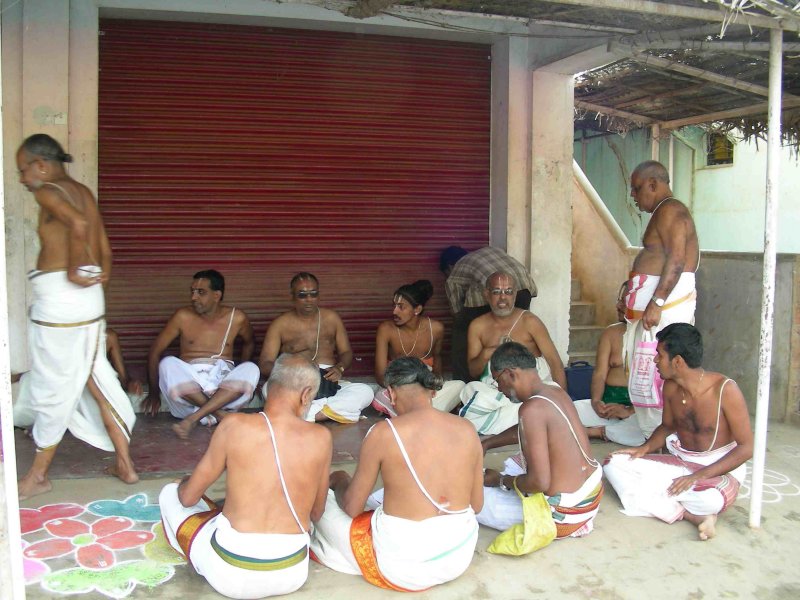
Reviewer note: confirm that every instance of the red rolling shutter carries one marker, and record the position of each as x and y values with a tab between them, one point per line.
262	152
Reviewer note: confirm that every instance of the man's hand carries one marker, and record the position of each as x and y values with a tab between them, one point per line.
151	404
637	452
618	411
601	408
682	484
333	374
135	387
651	316
491	478
80	277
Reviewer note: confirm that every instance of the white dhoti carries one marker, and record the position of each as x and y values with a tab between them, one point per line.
642	483
488	409
66	334
177	378
573	512
410	555
237	565
620	431
344	406
678	308
444	399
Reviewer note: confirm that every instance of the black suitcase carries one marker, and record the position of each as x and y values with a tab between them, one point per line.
579	380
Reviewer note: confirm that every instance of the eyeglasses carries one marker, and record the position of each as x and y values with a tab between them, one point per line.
500	374
307	294
502	292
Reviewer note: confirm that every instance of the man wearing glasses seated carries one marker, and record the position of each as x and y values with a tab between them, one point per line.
485	406
319	335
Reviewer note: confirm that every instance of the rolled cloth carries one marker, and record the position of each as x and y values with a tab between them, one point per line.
67	341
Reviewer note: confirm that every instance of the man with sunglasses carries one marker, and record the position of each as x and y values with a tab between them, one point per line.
202	381
488	409
319	335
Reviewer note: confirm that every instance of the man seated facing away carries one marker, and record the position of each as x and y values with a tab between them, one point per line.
203	381
555	449
609	415
424	532
276	468
484	406
409	333
706	429
319	335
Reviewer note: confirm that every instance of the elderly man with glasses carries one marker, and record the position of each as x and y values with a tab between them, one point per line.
489	410
319	335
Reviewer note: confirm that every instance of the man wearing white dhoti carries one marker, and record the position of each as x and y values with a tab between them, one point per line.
276	482
71	384
706	429
319	335
661	288
202	385
556	453
424	531
488	409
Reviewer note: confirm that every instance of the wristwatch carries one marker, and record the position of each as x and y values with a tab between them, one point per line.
658	301
503	485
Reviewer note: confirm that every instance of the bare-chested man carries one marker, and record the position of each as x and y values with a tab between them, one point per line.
706	429
423	530
202	385
276	483
69	371
661	288
319	335
556	453
608	414
491	412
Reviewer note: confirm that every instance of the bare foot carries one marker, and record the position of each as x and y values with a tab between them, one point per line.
125	472
31	486
183	429
706	528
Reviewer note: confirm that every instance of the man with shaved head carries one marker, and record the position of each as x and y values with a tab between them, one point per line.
484	406
661	287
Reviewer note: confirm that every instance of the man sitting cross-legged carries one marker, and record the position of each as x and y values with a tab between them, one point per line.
424	532
276	468
609	414
484	406
203	380
706	429
319	335
555	450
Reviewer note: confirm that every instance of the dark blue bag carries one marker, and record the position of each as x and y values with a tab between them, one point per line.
579	380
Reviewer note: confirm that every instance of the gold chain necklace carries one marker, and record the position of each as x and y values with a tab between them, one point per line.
416	337
683	391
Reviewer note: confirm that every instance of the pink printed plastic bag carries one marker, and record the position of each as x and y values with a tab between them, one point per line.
645	385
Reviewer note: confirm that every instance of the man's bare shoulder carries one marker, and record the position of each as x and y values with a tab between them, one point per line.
614	331
385	328
482	322
673	211
329	315
282	320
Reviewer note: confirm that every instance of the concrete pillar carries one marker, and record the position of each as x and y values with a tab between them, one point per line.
84	76
510	223
551	194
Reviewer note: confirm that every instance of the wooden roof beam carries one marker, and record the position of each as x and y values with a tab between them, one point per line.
723	115
613	112
665	9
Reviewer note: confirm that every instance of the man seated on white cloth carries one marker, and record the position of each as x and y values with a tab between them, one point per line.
276	482
661	288
608	414
706	429
423	339
423	529
484	405
202	385
71	384
556	453
319	335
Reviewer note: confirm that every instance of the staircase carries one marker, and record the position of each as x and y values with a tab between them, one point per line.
584	333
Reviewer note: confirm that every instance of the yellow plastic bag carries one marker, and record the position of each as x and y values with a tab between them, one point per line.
536	531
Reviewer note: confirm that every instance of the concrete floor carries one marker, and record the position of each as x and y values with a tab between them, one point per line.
625	557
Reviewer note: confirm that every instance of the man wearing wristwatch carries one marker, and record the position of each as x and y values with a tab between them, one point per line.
661	287
319	335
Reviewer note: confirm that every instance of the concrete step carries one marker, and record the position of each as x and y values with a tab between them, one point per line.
584	338
575	289
581	313
587	356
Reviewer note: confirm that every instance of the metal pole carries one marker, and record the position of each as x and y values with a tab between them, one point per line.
768	297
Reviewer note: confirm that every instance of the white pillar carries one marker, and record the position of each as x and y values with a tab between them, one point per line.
768	282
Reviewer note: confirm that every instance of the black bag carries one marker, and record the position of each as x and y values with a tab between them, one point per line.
579	380
326	388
